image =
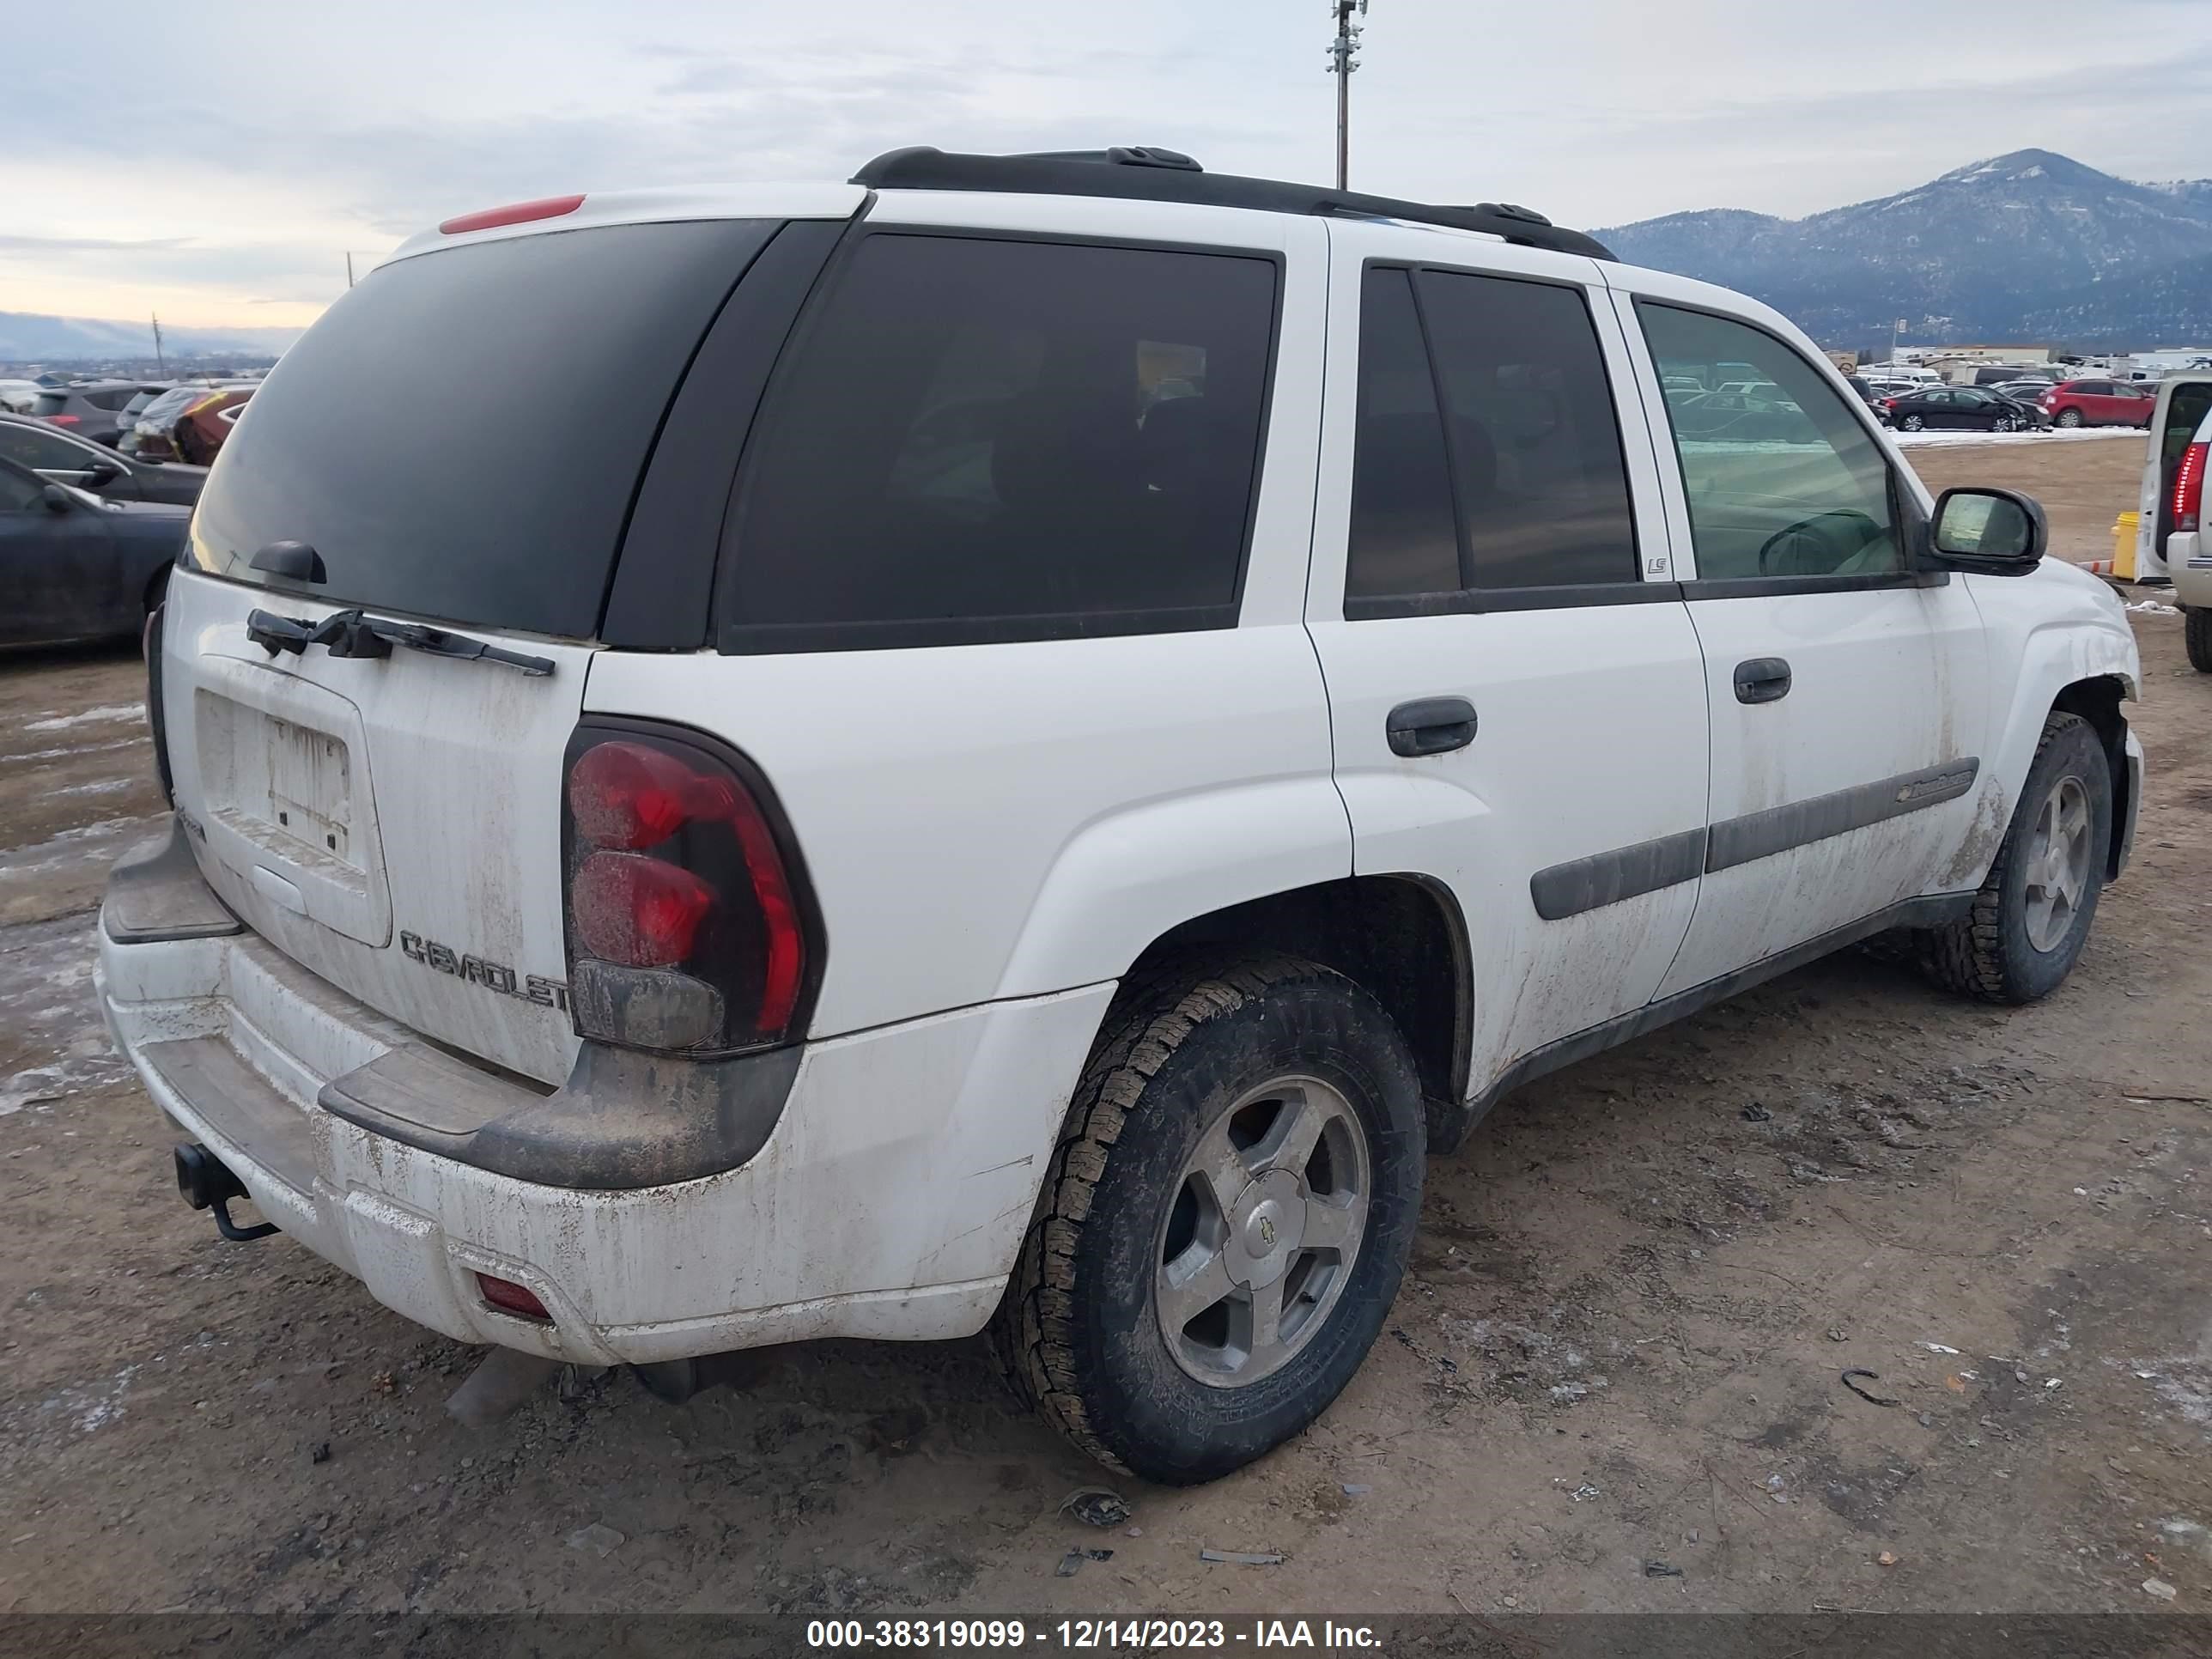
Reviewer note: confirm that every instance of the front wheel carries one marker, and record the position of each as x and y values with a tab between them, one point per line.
2069	417
2003	423
1225	1223
2197	630
2032	917
1912	423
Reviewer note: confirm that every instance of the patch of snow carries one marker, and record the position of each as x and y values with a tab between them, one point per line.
92	1407
2153	608
112	711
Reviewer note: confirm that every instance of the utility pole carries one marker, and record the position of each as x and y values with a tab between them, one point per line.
1341	62
161	363
349	267
1895	328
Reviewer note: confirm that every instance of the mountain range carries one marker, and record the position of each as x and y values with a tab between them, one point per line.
27	337
2029	248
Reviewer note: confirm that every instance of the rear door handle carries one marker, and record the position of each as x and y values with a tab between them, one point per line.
1762	679
1431	726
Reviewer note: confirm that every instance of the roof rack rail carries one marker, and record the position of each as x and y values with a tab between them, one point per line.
1148	173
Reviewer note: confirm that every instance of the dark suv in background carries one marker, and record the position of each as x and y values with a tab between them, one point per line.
93	409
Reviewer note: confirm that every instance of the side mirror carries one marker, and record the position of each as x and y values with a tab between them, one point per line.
1988	533
56	499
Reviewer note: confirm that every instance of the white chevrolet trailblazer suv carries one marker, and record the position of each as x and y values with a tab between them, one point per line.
1048	727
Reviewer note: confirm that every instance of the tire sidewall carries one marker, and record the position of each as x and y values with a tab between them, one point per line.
2073	752
1160	1421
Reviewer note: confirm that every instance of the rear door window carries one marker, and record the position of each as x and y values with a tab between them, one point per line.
1535	442
460	435
986	439
1403	538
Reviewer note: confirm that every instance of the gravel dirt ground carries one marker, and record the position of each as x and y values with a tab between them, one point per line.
1612	1382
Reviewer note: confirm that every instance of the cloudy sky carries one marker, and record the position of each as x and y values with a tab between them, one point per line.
214	162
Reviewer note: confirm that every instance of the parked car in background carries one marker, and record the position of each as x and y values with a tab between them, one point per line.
20	397
1958	408
2099	402
2027	399
74	566
127	416
2182	404
1873	399
91	409
61	456
189	424
709	824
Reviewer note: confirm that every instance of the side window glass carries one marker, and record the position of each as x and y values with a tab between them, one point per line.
983	439
27	447
20	491
1794	487
1535	442
1402	540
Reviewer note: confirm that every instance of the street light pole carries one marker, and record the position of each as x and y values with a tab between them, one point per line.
1341	62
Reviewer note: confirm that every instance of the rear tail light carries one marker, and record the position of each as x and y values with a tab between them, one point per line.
2189	487
62	420
690	925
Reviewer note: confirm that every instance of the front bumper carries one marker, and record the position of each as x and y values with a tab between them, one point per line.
888	1201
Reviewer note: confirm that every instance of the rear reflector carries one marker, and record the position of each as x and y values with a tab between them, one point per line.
517	213
509	1297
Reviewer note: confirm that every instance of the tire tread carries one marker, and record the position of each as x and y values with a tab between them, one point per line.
1032	1336
1967	956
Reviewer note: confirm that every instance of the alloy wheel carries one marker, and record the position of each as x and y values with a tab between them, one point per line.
1263	1232
2058	854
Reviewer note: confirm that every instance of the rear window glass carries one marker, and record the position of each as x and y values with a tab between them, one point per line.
984	439
459	436
51	403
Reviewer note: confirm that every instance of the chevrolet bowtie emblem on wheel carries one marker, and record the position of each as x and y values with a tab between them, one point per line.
1267	1232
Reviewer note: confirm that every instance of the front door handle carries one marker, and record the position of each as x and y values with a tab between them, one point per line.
1763	679
1431	726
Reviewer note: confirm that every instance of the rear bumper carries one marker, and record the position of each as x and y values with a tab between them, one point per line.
887	1200
2188	562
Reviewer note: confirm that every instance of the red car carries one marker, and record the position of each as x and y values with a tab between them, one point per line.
2099	402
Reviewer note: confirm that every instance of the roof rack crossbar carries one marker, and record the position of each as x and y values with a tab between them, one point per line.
1150	173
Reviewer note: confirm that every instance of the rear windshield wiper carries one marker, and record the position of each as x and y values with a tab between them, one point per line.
356	633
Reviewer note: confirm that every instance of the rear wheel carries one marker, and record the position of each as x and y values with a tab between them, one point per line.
2197	629
1912	423
2069	417
1224	1224
2032	917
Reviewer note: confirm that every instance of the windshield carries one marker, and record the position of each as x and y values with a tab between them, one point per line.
428	437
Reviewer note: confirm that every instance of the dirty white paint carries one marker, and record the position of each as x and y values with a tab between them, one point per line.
105	713
888	1203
